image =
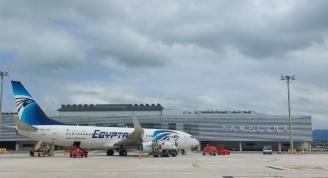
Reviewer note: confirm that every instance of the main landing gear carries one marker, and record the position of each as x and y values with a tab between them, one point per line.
110	152
121	152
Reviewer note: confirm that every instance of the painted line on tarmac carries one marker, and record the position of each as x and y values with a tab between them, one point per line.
94	171
254	177
276	168
195	165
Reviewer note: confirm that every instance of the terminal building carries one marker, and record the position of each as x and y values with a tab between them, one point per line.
238	130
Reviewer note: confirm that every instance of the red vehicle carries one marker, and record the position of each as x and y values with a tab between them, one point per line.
221	150
75	151
211	150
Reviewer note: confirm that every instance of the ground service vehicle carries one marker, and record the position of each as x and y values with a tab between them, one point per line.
267	150
76	151
164	149
41	149
211	150
221	150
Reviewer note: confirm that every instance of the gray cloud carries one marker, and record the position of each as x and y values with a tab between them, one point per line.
187	55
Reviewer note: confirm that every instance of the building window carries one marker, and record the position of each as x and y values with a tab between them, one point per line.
147	125
172	126
113	125
130	125
192	129
25	145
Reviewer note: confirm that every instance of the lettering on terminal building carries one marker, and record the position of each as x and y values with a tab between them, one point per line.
254	128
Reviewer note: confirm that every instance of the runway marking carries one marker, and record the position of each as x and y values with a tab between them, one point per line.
93	171
306	168
195	165
276	168
257	176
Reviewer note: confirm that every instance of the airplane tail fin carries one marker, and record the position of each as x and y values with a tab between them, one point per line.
29	111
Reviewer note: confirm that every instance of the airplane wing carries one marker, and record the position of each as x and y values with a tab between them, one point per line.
135	138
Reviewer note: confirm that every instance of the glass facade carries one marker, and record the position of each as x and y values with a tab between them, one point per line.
244	130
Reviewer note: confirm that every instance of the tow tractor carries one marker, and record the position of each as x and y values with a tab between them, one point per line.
221	150
213	150
76	151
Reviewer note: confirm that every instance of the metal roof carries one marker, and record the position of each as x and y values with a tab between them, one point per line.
109	107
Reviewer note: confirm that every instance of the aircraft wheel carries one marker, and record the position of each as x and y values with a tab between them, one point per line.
110	152
165	153
173	153
123	152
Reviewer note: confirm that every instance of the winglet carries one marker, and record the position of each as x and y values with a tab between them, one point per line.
135	137
136	123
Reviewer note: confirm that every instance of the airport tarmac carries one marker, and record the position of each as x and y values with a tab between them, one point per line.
194	165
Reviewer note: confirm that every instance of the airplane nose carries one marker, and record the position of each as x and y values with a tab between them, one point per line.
195	143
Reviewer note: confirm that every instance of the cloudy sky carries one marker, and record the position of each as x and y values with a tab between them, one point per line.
188	55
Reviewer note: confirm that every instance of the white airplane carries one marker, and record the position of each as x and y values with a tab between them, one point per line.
34	123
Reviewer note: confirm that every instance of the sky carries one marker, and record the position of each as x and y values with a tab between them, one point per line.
185	55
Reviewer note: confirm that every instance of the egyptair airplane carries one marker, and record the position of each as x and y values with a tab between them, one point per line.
34	123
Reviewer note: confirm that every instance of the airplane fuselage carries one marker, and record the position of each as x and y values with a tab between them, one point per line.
92	137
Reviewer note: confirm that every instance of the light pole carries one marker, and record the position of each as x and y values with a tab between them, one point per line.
2	74
289	78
